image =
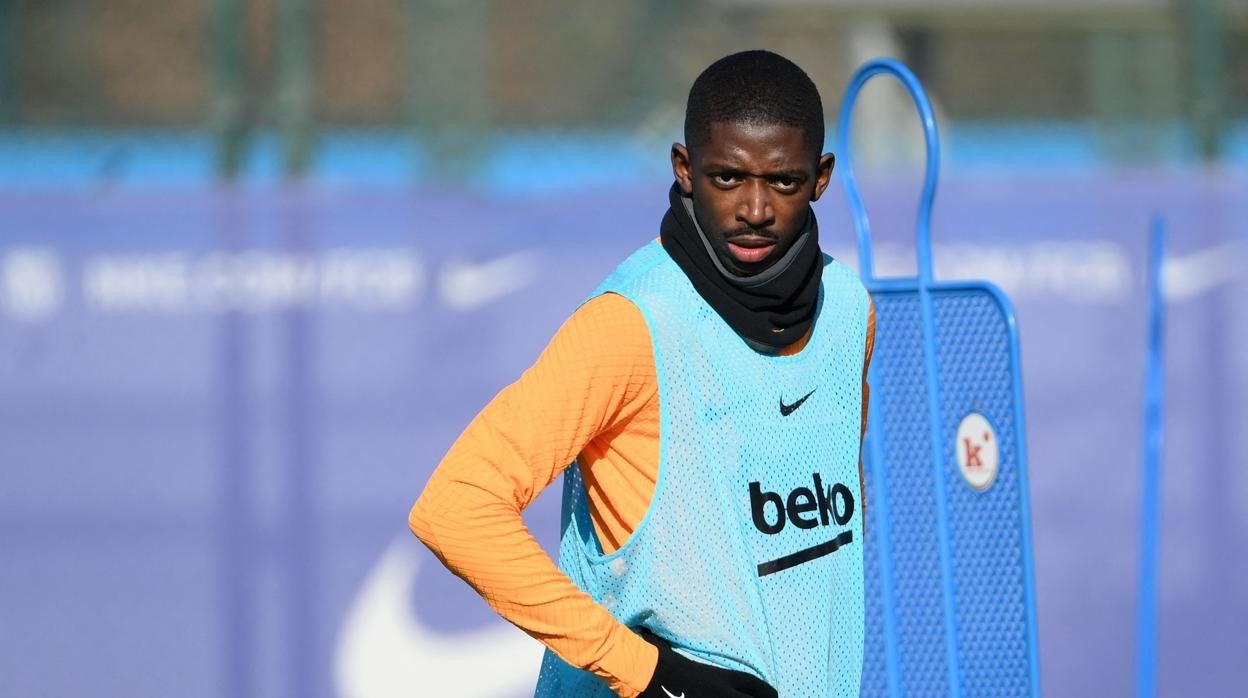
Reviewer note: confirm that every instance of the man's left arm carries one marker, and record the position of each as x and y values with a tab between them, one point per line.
866	394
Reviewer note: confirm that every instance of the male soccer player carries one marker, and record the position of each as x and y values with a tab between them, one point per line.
711	393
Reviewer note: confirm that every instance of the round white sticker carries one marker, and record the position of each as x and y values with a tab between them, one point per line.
977	451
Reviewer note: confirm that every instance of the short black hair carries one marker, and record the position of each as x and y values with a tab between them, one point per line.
755	87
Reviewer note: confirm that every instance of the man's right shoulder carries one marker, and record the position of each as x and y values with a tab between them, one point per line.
606	346
611	318
644	261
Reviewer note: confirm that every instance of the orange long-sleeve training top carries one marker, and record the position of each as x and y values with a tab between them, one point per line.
591	396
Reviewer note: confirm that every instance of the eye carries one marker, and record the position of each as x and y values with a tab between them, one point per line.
786	184
725	179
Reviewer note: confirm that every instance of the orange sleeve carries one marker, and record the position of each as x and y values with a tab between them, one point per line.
866	398
596	373
866	362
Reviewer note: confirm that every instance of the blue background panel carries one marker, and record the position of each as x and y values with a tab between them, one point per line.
119	420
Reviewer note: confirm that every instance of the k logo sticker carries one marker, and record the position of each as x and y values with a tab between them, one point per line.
977	451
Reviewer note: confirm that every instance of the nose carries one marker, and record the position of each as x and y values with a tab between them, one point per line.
755	209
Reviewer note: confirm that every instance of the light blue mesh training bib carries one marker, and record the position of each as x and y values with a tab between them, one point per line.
750	556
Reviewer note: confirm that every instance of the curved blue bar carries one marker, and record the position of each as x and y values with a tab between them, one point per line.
897	69
923	246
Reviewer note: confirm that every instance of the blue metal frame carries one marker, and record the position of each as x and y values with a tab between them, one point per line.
924	284
1150	503
889	66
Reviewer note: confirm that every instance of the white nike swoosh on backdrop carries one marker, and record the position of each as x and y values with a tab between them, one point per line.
465	286
1187	276
385	651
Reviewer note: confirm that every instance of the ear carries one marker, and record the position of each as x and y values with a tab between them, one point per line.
823	175
682	168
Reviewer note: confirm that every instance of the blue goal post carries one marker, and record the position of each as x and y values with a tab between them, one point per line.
1150	486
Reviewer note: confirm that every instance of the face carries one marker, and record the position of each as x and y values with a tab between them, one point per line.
751	186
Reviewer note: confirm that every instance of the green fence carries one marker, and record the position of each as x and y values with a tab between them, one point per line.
448	71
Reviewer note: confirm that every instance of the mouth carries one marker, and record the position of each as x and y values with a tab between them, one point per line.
751	248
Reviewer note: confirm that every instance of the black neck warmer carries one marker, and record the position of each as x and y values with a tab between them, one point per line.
770	310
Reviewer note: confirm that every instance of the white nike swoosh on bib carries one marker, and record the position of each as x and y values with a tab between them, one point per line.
384	650
465	286
672	695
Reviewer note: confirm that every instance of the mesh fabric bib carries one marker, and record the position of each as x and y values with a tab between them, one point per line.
750	555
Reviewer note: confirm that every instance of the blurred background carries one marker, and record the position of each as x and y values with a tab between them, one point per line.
261	260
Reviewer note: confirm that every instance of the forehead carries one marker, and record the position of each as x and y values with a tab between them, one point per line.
753	145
